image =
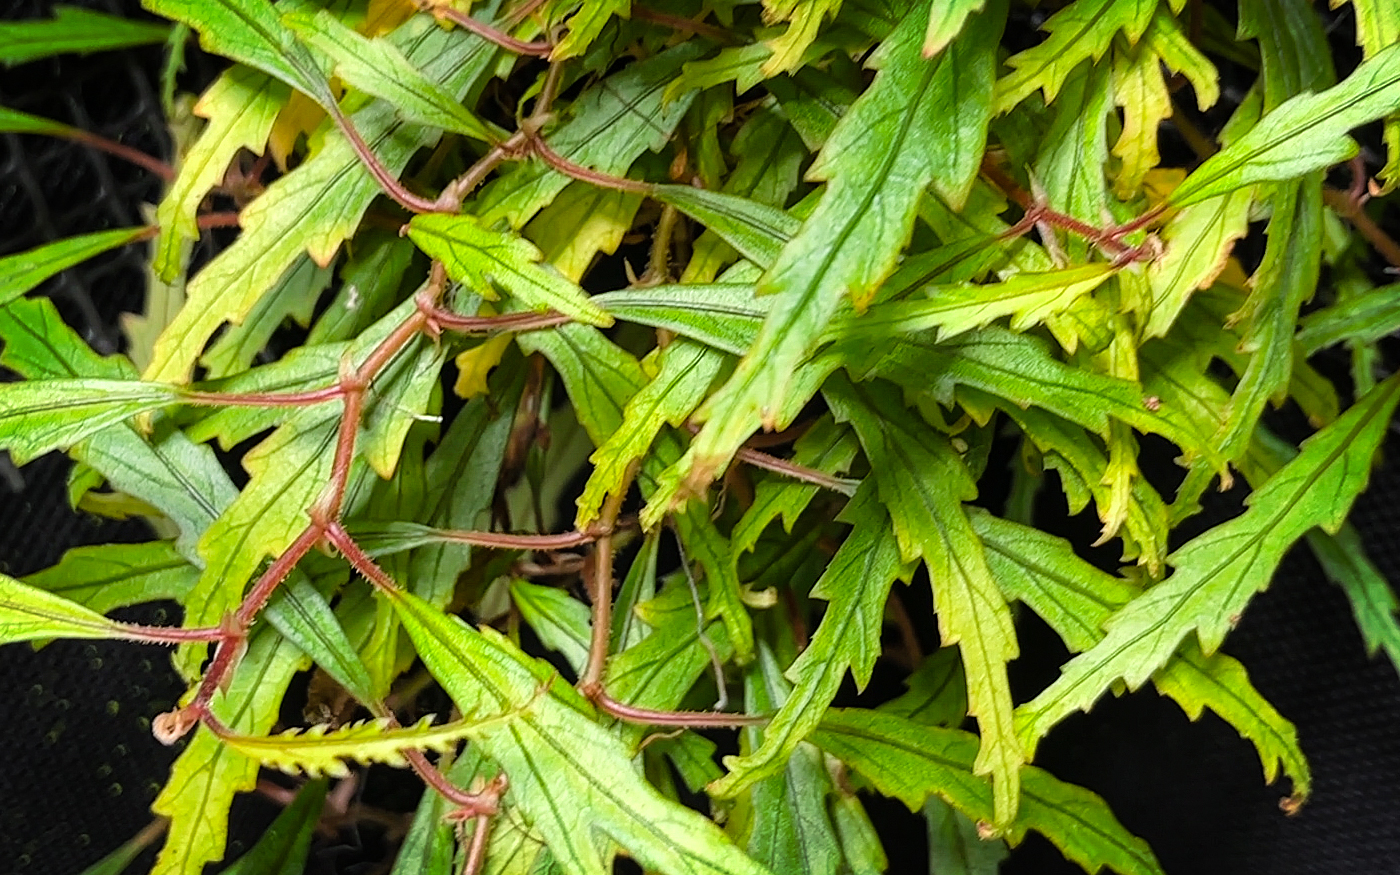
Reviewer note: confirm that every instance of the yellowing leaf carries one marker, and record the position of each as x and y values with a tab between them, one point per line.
474	365
322	750
241	106
28	613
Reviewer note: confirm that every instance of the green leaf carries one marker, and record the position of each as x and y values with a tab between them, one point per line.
826	447
74	29
756	230
1020	369
207	775
783	820
568	775
684	373
1378	26
1221	683
613	122
924	483
837	254
725	316
855	584
1306	133
241	106
487	259
586	24
321	750
1076	600
804	18
657	671
1078	32
12	121
1286	278
283	848
1218	572
118	860
249	31
1198	241
316	206
106	576
1363	318
1041	570
294	297
946	21
911	761
303	616
1343	559
1070	163
1028	298
376	67
24	271
560	621
28	613
37	416
954	846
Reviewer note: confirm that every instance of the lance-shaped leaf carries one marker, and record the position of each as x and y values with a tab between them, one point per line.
241	106
1198	241
28	613
783	820
209	774
756	230
23	271
314	207
804	18
37	416
684	372
568	775
1218	572
725	316
182	479
911	761
1220	682
321	750
376	67
487	260
283	848
73	29
613	122
1363	318
1020	369
302	615
657	671
294	297
1287	277
1306	133
851	241
924	483
855	584
1028	298
1343	559
1076	600
1080	31
106	576
559	619
250	31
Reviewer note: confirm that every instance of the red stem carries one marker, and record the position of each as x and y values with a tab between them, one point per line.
491	34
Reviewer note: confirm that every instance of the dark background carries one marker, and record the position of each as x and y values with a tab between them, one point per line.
78	766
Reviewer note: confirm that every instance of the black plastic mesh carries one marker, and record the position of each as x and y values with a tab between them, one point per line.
79	768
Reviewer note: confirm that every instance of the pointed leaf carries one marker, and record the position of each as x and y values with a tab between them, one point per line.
106	576
321	750
28	613
1307	133
567	774
283	848
903	118
924	482
37	416
303	616
488	259
856	584
1219	571
241	106
74	29
23	271
376	67
911	761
